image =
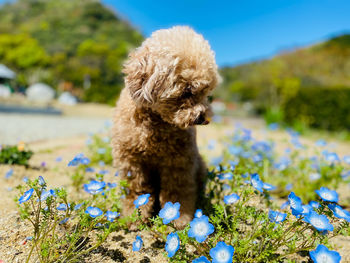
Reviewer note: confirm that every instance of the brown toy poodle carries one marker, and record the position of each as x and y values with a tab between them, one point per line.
167	82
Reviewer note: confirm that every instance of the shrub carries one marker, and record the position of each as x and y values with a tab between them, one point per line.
15	155
325	108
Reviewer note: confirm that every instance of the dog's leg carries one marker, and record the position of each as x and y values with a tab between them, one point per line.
179	185
138	184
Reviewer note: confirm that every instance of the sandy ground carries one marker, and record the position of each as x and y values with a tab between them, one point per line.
118	248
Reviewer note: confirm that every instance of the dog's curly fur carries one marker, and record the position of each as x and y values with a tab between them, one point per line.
154	145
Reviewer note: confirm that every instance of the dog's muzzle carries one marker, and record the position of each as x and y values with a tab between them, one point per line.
201	120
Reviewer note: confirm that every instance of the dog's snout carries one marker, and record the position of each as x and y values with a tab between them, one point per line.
201	120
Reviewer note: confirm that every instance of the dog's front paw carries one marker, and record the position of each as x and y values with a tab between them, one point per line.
182	221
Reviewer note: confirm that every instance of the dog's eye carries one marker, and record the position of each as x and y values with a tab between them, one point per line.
210	99
187	93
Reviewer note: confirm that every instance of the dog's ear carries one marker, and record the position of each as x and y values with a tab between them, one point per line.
145	76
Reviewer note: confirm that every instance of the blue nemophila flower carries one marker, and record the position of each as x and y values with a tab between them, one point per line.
323	255
201	259
172	244
106	139
227	176
62	207
59	159
137	244
268	187
277	217
94	187
320	222
331	157
103	172
141	200
116	173
62	222
200	228
93	211
339	212
26	196
273	126
25	179
101	163
222	253
45	194
111	185
41	180
314	176
9	173
170	212
78	206
314	204
346	159
89	169
231	199
111	215
306	209
256	182
85	161
198	213
101	150
327	195
76	160
321	143
295	204
226	187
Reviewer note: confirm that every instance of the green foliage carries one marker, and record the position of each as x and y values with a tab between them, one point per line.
326	108
80	41
14	155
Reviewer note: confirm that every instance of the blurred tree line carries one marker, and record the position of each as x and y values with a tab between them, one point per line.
309	85
77	42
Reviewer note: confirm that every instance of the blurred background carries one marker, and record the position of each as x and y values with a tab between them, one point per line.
286	62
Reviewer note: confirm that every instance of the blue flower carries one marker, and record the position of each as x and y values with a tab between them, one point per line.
58	159
198	213
9	173
112	215
306	209
295	204
200	228
41	180
227	176
277	217
323	255
101	163
170	212
137	244
339	212
172	244
85	161
101	150
62	207
78	206
45	194
327	195
116	173
141	200
314	176
320	222
89	169
201	259
268	187
231	199
222	253
25	179
103	172
76	160
94	187
62	222
111	185
321	143
331	157
93	211
314	204
26	196
346	159
256	182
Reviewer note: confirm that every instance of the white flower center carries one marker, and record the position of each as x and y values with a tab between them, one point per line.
317	222
173	242
170	213
279	218
222	255
327	196
142	200
201	228
324	258
94	212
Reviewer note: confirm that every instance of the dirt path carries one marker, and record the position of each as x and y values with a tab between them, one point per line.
118	248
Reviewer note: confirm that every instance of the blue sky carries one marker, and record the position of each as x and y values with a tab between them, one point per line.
245	30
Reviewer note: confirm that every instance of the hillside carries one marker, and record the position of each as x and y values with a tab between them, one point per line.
325	65
68	44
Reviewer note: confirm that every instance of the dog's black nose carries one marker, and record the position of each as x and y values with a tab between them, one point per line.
201	120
